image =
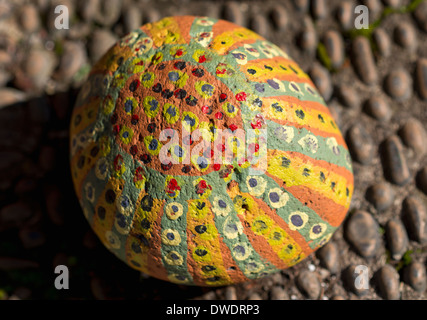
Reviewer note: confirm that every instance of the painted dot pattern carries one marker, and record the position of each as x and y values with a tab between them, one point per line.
195	218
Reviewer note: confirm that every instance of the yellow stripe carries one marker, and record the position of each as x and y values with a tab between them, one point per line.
293	176
166	31
262	225
262	73
223	42
209	240
288	113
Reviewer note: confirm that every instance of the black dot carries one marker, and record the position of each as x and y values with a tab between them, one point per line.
208	268
201	252
145	224
197	72
300	114
81	162
110	196
186	169
201	229
134	85
180	65
251	71
167	166
151	127
145	158
157	87
167	93
101	212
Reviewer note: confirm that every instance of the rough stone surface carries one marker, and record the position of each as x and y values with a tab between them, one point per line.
168	218
362	233
388	283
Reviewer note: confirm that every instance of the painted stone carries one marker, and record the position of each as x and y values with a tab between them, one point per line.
239	208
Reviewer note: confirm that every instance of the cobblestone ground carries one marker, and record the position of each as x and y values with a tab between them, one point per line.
374	80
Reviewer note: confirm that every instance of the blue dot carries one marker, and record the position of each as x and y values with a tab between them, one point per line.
178	151
173	76
222	204
154	104
297	220
202	162
171	111
125	134
170	236
153	144
175	208
253	183
125	202
274	197
128	106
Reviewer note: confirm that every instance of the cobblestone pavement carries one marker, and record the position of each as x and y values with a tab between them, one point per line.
374	80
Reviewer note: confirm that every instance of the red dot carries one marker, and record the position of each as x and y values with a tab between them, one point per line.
216	166
202	59
232	127
219	115
241	96
205	109
116	129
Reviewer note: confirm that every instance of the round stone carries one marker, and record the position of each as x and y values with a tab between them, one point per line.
414	136
397	239
415	275
405	36
382	41
398	84
362	231
322	80
345	15
309	284
334	45
329	257
377	107
361	144
363	60
381	195
202	154
388	283
420	14
414	216
394	161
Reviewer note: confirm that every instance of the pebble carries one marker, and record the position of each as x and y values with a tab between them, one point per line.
230	293
259	24
231	11
348	96
309	284
345	15
378	107
88	9
108	12
414	136
334	45
279	17
352	282
422	180
80	31
414	216
278	293
15	214
38	67
10	96
319	9
361	144
415	275
398	84
31	237
337	298
72	59
405	36
421	77
301	5
99	288
388	283
307	39
9	263
393	3
397	238
382	41
25	185
254	296
363	60
102	40
381	195
362	231
132	19
374	7
395	165
329	257
29	18
420	15
322	80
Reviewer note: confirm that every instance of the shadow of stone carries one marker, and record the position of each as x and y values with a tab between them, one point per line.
35	174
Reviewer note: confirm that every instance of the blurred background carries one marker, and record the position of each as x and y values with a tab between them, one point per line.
374	81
